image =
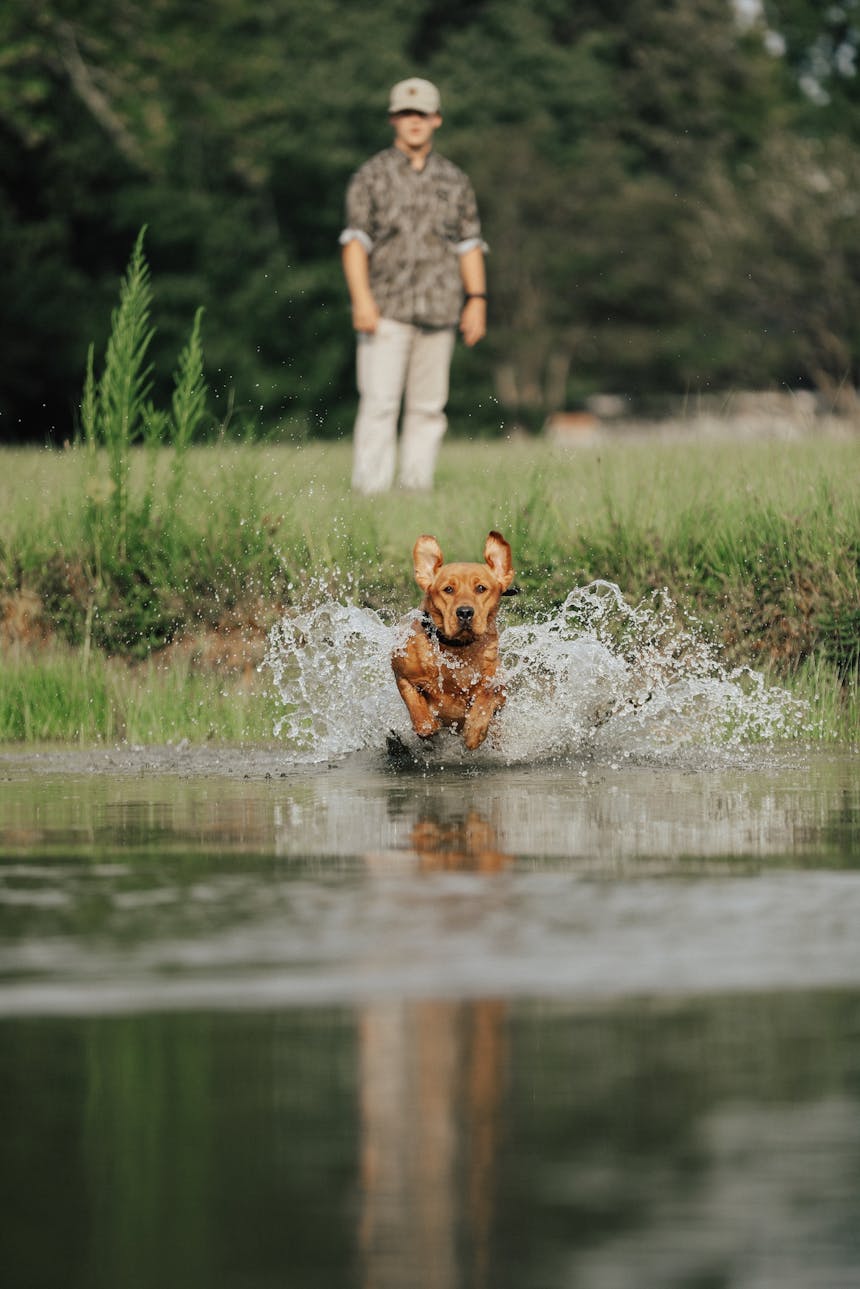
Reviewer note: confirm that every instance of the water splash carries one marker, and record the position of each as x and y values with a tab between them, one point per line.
597	675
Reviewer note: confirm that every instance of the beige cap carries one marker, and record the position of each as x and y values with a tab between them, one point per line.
414	95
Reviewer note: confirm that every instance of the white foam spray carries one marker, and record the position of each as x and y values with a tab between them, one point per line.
596	676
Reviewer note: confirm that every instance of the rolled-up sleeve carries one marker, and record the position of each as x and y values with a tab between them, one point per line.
470	222
359	213
356	235
469	245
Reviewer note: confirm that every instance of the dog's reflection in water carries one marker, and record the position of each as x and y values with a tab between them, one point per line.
432	1084
469	844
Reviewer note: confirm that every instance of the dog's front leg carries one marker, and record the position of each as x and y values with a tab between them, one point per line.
424	721
488	700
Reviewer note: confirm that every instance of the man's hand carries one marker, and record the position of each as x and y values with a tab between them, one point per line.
356	268
473	321
365	315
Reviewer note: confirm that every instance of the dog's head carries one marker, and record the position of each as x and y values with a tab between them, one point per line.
462	599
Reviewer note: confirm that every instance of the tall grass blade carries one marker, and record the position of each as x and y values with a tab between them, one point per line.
189	395
89	404
126	380
188	406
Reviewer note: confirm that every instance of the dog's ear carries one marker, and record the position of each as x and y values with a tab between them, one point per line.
497	553
427	557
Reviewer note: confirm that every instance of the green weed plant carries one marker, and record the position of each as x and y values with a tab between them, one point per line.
129	548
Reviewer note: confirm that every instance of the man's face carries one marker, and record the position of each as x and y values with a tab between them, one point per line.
413	130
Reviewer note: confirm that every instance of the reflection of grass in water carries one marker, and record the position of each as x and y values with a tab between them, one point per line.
758	541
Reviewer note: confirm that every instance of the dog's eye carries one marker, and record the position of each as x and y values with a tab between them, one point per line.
447	590
480	588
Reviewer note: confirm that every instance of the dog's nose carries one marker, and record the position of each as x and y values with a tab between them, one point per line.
465	614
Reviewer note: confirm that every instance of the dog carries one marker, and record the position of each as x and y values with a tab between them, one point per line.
446	667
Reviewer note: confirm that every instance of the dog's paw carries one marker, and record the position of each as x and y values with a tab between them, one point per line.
425	722
473	738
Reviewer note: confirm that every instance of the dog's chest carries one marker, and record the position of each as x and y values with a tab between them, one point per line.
454	671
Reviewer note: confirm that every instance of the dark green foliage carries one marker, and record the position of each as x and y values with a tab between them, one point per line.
668	201
840	630
840	627
172	580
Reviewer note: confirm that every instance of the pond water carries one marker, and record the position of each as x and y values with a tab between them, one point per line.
590	1021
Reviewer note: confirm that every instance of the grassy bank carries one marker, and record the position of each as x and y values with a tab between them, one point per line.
55	697
159	637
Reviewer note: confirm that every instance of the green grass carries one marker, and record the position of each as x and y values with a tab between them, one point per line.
56	698
760	542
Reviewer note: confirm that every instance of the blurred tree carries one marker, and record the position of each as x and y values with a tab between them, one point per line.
820	46
660	189
227	131
794	278
597	132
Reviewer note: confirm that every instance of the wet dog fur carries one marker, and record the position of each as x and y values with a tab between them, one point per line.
446	667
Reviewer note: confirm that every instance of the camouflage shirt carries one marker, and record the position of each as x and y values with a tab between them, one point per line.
414	225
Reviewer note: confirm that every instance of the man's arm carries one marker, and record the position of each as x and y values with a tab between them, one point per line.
473	319
356	270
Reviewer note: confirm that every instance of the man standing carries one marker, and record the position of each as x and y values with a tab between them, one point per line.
413	259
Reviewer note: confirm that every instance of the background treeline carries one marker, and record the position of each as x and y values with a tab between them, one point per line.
670	188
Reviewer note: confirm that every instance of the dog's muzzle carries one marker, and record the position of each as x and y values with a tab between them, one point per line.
433	633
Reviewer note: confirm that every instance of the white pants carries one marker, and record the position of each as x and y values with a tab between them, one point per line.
400	362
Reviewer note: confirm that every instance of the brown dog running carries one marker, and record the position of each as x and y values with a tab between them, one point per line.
446	667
